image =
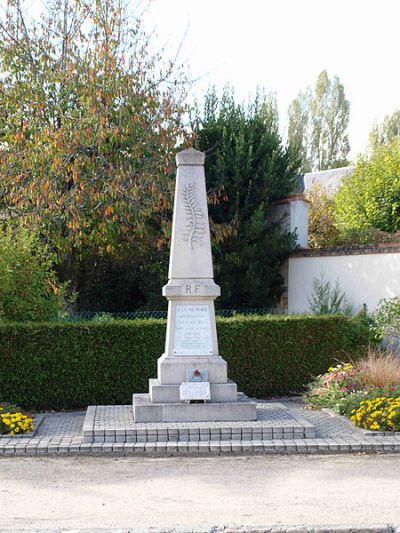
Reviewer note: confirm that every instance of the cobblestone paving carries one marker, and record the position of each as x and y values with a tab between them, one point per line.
62	433
122	415
326	426
61	425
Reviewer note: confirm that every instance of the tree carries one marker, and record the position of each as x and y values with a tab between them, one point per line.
370	196
322	228
386	131
328	298
89	125
247	168
299	131
318	123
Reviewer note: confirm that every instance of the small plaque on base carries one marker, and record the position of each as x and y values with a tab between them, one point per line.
195	390
196	374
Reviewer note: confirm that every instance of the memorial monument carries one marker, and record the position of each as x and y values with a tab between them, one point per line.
192	383
192	405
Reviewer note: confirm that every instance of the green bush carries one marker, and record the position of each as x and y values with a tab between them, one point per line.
29	289
370	196
70	365
328	298
387	318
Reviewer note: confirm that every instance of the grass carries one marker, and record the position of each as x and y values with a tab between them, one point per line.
378	368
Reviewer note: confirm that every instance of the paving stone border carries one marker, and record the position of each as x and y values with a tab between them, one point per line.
61	433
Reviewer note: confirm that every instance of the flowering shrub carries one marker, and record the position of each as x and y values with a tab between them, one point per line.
381	413
340	377
330	389
13	422
353	401
368	393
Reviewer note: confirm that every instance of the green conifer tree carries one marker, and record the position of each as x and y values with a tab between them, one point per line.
247	168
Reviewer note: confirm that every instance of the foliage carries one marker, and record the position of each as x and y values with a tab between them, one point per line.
318	123
381	413
14	422
89	122
328	299
378	369
370	196
329	389
367	392
29	289
299	131
352	402
116	285
68	365
385	132
247	169
387	317
322	229
348	236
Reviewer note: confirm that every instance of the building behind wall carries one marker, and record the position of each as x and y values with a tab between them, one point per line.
365	273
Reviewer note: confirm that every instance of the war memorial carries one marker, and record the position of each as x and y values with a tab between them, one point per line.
192	398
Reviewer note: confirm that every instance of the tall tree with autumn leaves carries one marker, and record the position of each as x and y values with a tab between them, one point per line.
89	123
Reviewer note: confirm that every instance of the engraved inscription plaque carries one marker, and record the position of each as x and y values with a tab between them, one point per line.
192	335
195	391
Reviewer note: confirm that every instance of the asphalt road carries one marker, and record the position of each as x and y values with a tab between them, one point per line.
186	492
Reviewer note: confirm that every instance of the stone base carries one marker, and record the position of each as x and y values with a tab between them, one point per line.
172	369
220	392
145	411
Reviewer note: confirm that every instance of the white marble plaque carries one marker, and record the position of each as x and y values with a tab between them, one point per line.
195	390
192	334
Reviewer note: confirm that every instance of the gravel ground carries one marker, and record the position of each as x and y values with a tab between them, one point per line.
198	492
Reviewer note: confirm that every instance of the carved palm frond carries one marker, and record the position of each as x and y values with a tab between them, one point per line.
195	226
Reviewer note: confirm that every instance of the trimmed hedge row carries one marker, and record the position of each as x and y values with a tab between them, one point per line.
70	365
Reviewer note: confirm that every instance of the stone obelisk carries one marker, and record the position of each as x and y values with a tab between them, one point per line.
191	368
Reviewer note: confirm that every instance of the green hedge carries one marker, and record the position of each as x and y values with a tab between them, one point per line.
70	365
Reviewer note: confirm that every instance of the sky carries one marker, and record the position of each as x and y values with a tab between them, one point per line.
282	46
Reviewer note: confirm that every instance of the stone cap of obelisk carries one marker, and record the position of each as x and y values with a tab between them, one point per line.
190	157
190	256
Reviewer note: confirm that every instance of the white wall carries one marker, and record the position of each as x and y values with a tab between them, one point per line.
299	221
292	215
365	278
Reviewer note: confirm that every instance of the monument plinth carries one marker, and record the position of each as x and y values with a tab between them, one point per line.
191	368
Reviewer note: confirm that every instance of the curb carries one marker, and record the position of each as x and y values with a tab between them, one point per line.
198	449
226	529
